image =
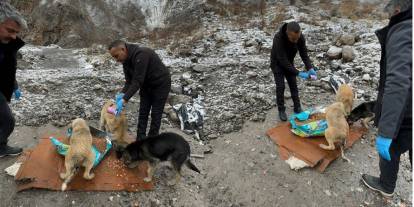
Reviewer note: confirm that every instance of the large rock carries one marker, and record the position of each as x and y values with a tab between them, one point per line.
334	52
178	99
348	54
177	88
347	39
366	77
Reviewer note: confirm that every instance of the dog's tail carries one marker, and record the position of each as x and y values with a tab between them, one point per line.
190	165
69	178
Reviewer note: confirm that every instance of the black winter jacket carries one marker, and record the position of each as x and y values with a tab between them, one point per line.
143	69
394	101
8	66
283	53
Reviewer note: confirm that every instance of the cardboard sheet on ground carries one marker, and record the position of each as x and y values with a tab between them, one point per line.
41	167
307	149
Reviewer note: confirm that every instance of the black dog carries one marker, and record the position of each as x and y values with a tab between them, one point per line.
163	147
363	111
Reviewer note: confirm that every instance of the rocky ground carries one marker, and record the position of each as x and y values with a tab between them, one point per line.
240	169
227	63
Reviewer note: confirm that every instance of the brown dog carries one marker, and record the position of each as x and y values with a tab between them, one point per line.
346	96
116	125
79	153
338	128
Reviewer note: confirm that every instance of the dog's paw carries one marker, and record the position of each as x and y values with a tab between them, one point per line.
147	179
62	176
89	177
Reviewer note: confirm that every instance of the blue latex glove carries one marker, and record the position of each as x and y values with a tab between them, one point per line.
312	74
119	106
17	94
383	147
304	75
119	96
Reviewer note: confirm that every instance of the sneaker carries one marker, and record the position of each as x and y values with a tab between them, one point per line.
282	116
6	150
374	184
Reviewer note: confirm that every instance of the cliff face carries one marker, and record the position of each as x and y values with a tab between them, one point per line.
76	23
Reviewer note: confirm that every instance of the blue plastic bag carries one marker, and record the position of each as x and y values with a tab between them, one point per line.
62	149
311	129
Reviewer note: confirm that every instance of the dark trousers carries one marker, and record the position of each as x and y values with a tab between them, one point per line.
389	169
6	120
280	90
152	100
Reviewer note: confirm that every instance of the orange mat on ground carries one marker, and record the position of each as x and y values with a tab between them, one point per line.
42	165
307	149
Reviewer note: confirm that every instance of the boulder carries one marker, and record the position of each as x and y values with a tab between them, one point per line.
334	52
348	54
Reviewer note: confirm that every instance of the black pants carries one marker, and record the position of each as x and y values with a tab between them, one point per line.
280	90
400	145
152	100
6	120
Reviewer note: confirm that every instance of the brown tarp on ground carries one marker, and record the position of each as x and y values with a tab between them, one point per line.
307	149
42	165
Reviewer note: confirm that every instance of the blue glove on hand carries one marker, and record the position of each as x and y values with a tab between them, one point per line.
119	96
383	147
304	75
119	106
312	74
17	94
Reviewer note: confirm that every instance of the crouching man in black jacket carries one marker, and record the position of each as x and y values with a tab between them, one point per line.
286	44
144	71
11	23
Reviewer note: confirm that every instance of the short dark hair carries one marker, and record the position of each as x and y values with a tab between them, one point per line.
116	43
293	27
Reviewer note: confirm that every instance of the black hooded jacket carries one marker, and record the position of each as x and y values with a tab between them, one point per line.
143	69
394	100
283	53
8	64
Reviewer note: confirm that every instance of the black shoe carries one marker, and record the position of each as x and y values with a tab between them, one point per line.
374	184
282	116
298	110
6	150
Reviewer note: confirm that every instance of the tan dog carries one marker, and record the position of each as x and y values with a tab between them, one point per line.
116	125
346	96
338	128
79	153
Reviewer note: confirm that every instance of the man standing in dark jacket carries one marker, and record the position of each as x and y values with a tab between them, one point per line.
144	71
286	44
393	115
11	24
